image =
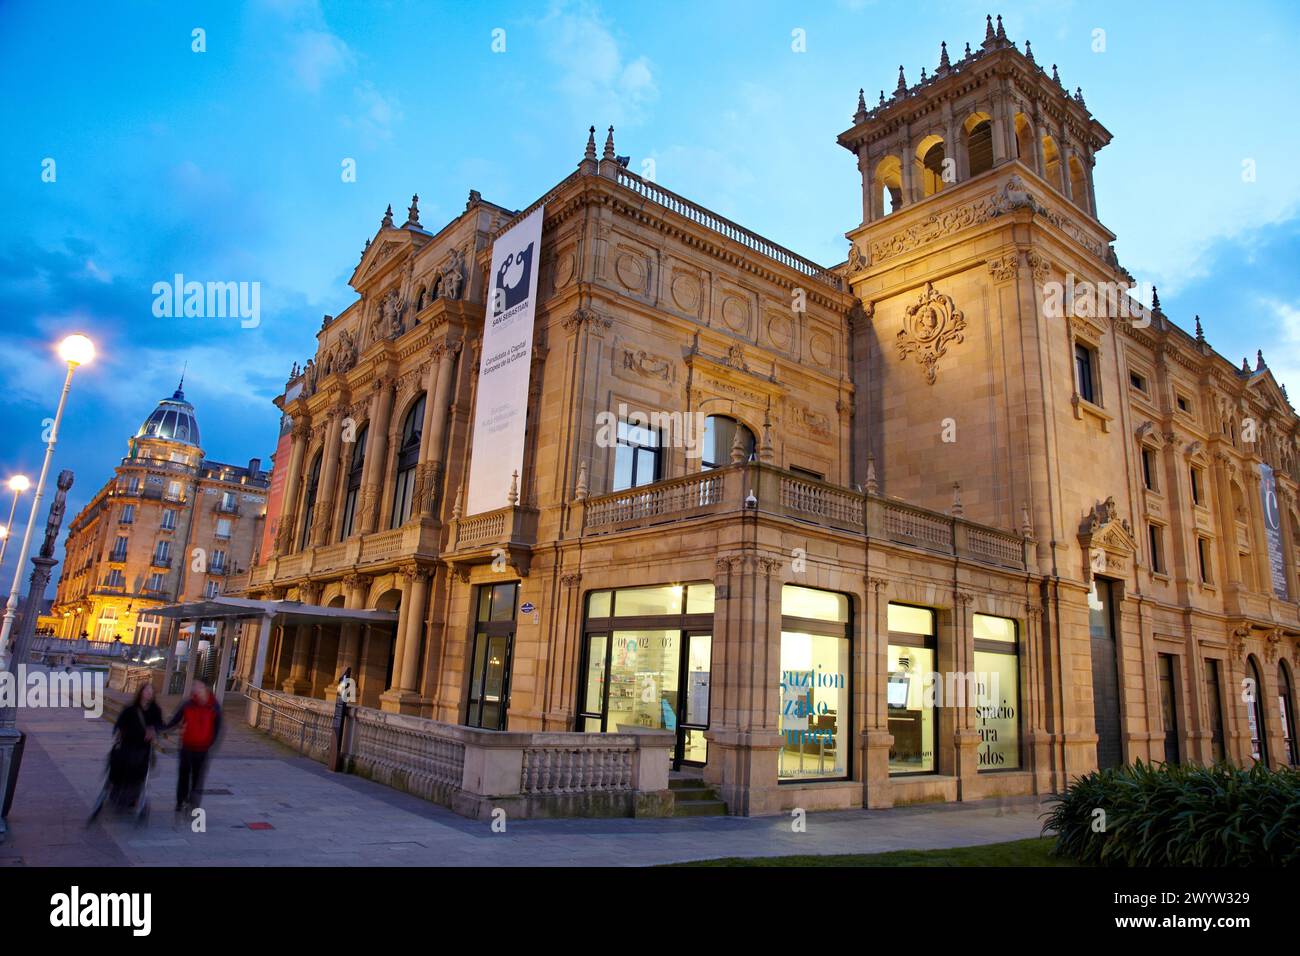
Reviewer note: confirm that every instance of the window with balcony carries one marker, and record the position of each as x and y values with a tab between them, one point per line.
175	491
223	528
637	456
155	583
115	578
162	554
217	562
720	436
211	589
168	522
229	502
127	516
408	458
119	549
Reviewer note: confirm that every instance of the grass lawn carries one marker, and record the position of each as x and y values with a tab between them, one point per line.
1032	852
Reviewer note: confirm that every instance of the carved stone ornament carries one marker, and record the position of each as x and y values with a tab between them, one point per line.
1107	542
1004	267
644	363
929	327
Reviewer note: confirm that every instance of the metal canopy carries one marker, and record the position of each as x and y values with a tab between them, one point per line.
236	608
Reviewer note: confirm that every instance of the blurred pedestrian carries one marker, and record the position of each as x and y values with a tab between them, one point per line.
200	720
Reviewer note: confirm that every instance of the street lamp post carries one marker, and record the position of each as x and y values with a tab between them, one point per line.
75	350
17	484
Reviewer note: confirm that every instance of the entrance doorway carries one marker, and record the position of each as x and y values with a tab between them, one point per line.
1169	705
1105	675
650	670
494	641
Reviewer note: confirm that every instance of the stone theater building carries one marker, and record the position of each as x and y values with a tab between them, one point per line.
170	525
948	520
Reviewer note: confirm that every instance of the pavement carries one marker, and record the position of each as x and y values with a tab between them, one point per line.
267	806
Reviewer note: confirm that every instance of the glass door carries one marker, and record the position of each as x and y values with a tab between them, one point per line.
494	636
692	748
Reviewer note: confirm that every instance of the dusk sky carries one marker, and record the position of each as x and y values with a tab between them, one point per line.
225	165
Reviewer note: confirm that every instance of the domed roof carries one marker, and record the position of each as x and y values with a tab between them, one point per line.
172	420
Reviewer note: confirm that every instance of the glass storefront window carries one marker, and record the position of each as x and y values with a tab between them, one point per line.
910	703
997	710
663	599
598	604
813	604
643	670
988	628
911	620
814	701
699	598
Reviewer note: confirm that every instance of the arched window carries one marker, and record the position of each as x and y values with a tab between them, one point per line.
106	628
719	436
408	456
355	469
1286	713
1025	141
1255	715
1079	184
979	143
435	290
309	502
888	180
930	157
1052	163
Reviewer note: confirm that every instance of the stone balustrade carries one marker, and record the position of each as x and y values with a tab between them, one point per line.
782	494
475	772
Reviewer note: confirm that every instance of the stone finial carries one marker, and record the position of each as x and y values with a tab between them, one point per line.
882	97
902	82
873	487
1078	96
1155	299
1245	365
387	221
861	113
513	495
580	492
922	74
1259	360
1200	332
1026	525
590	152
1002	34
766	452
737	448
1056	76
989	37
968	52
457	505
475	197
957	510
413	211
944	63
608	155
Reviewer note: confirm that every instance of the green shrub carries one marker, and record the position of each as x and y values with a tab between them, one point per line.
1161	815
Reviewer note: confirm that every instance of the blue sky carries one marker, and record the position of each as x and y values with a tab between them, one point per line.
225	165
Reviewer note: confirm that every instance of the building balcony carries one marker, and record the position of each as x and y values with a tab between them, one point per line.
380	550
160	561
479	539
117	557
773	493
225	509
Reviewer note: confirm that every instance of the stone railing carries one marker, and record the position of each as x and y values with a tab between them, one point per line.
779	493
356	552
511	524
44	648
475	772
725	227
129	678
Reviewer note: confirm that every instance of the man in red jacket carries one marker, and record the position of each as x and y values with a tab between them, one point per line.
200	720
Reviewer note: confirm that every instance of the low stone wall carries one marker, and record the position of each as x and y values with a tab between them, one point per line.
476	772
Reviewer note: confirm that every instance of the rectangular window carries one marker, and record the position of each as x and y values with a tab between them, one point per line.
119	549
494	633
1196	486
1157	549
168	522
1203	560
162	553
128	515
174	490
228	501
1137	381
813	716
997	686
1083	371
636	456
217	563
1168	704
211	589
155	583
1183	404
909	695
1149	473
223	528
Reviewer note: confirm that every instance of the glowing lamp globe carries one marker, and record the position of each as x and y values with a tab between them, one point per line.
76	350
19	483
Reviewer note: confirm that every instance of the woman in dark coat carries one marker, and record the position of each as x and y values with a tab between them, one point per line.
135	730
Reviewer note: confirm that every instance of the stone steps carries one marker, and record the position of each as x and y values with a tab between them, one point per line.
694	798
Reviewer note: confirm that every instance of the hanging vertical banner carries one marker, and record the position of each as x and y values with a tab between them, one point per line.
1273	530
505	363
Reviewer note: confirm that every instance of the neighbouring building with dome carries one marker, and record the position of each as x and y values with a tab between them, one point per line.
954	518
170	525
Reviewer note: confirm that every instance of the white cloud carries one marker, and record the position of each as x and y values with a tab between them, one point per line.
375	114
316	57
1282	347
595	73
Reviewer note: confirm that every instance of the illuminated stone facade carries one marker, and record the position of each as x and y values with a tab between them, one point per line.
917	431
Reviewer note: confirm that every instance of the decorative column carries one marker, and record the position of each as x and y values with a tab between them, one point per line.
875	739
391	698
418	576
297	681
329	476
965	736
376	463
288	516
436	418
355	590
